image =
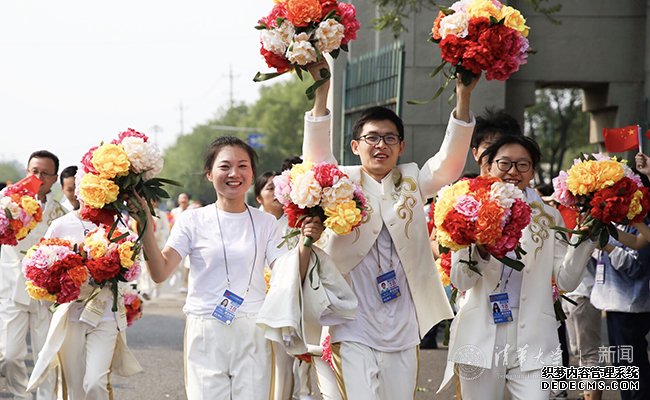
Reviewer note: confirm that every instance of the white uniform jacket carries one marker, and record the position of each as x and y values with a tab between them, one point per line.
401	208
473	331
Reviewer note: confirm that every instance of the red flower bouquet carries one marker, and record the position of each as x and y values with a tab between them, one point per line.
480	35
20	212
297	33
54	271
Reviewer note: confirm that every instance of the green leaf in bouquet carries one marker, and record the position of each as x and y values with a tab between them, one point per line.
514	264
261	26
311	91
613	232
335	53
471	264
443	249
446	10
299	73
435	95
114	290
437	70
603	237
330	14
559	312
344	47
279	21
260	77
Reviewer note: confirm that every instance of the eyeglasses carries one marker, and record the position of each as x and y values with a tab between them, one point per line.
374	140
505	165
40	174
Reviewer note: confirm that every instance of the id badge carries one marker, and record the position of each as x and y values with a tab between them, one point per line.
227	308
500	305
387	286
600	272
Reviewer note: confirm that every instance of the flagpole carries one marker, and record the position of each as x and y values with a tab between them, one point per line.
638	127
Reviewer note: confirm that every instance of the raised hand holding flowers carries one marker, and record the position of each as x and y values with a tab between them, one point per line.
297	33
479	35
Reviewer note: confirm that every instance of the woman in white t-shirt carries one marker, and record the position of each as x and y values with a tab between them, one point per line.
87	336
229	243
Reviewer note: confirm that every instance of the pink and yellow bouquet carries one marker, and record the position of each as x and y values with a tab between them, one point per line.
54	271
20	212
124	166
480	35
605	191
297	33
111	257
320	190
133	302
485	211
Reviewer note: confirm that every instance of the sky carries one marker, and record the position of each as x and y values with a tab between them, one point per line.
76	72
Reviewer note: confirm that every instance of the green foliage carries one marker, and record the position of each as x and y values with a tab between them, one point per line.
392	13
278	115
10	171
560	127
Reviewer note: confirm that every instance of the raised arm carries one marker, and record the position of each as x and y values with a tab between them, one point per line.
317	143
448	163
161	264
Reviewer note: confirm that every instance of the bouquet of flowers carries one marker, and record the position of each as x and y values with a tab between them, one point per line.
20	212
321	190
133	303
480	35
111	257
485	211
605	191
124	166
54	271
298	32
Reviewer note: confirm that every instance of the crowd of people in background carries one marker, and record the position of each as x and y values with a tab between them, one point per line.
219	254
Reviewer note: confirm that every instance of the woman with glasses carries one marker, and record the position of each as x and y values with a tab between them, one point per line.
506	351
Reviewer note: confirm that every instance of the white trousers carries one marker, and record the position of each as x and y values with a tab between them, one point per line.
86	356
482	383
226	362
19	320
282	372
364	373
327	384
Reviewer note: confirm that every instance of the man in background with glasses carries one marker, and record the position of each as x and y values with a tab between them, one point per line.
19	313
376	354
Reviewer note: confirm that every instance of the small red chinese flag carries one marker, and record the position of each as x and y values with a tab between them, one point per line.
618	140
647	134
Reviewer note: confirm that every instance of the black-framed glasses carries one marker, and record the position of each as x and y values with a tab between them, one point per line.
374	140
40	174
522	166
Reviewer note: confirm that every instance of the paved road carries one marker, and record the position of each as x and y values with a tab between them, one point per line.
157	342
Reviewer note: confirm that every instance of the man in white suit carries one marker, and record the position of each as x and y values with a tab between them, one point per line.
20	313
376	355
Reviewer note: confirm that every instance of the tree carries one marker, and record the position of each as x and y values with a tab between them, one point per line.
559	125
278	115
10	171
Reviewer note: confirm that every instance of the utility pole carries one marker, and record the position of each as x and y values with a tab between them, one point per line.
231	80
180	110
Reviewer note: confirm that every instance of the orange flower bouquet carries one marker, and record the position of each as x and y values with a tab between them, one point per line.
298	32
484	211
20	212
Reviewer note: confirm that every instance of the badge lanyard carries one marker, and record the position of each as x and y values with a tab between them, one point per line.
387	282
499	302
230	302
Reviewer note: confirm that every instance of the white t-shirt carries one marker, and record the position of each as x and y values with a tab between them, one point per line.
71	227
196	233
390	326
